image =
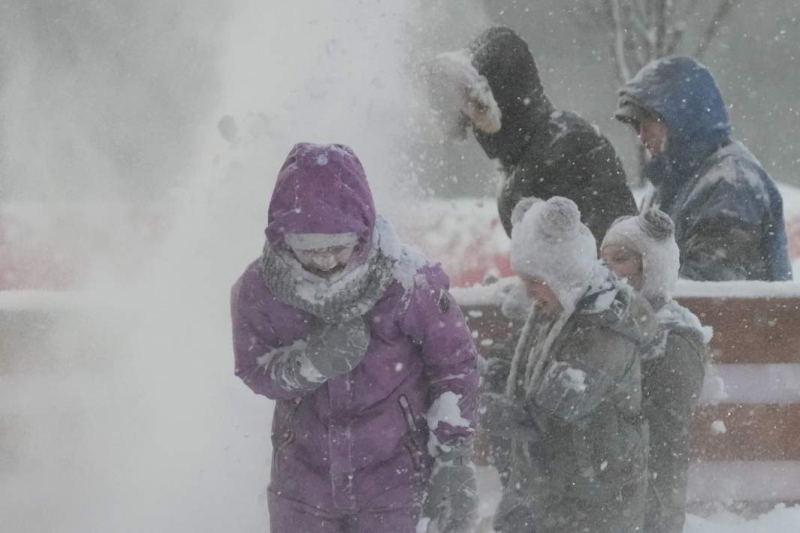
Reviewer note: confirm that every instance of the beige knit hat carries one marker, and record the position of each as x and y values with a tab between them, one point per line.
651	234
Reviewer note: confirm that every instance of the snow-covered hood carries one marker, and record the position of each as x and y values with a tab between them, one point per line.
321	189
684	93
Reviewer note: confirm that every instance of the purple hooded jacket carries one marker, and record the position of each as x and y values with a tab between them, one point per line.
360	440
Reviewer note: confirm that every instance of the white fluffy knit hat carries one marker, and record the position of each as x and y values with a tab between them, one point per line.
651	234
550	243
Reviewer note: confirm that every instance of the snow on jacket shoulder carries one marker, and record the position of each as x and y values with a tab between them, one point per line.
729	221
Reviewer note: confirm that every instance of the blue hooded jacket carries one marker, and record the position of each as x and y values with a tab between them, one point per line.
728	213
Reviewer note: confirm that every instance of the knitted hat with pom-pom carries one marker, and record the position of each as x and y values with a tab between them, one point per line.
651	234
550	243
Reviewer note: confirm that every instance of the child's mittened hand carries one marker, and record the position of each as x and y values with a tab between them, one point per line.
451	502
336	349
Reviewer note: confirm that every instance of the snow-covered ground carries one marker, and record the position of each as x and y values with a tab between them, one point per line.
781	519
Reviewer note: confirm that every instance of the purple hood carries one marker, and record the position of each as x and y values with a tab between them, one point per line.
321	188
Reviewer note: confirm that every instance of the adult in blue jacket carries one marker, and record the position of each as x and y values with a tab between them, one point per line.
727	211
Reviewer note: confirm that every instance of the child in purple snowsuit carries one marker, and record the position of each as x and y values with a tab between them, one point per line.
369	359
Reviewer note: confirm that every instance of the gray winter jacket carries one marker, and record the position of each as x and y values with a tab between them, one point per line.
672	380
729	220
580	440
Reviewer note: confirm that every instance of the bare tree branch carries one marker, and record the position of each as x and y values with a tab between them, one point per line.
670	11
676	27
619	41
723	10
637	16
640	48
635	36
689	9
640	10
582	20
679	24
642	58
643	30
675	34
660	7
586	15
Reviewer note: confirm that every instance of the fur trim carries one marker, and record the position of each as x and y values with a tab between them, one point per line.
453	73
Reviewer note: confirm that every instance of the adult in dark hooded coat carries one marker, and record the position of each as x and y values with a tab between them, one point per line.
494	86
728	213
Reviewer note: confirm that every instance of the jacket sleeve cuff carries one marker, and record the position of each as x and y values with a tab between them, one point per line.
455	450
292	369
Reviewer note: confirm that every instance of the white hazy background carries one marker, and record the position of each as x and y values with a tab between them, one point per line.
129	417
119	410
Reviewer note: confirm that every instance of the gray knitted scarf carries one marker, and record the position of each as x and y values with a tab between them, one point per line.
347	297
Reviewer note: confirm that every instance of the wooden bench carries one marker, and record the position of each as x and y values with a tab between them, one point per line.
746	431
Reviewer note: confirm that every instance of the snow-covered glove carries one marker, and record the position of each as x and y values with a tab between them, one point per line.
506	417
460	96
335	349
451	502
